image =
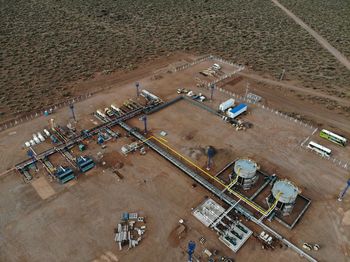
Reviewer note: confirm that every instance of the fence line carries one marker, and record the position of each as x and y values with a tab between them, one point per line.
29	116
205	58
14	122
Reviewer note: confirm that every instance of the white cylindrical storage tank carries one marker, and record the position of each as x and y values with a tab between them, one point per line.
286	193
246	170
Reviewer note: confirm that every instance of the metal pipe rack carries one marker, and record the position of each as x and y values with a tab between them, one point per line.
199	179
213	189
95	130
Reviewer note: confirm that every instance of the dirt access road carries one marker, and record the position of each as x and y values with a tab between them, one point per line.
339	56
295	88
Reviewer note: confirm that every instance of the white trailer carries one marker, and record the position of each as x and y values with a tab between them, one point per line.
149	95
99	113
227	104
216	67
116	109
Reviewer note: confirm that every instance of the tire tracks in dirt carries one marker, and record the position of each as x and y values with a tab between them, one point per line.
323	42
304	90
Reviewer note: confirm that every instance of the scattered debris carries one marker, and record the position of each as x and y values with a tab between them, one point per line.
310	247
126	149
163	133
267	240
202	240
130	230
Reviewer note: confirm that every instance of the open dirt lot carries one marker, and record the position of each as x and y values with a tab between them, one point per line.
75	222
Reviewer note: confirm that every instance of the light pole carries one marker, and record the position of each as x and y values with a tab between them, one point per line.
137	84
144	119
342	193
71	106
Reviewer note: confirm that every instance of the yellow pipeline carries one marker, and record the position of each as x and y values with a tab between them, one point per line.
227	187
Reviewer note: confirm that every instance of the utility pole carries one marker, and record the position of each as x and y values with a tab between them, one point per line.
212	86
210	153
282	74
71	106
342	193
246	90
144	119
137	84
31	154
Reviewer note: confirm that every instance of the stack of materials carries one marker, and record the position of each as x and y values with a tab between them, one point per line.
130	230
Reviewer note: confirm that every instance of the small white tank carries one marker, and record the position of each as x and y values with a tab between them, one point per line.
36	139
41	137
100	113
46	132
27	144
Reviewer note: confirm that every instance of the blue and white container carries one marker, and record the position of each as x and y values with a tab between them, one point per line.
236	111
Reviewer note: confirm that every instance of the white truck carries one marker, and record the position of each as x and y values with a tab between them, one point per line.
216	67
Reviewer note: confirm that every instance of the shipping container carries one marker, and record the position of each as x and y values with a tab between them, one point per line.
227	104
236	111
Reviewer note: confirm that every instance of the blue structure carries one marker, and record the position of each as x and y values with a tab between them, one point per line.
190	250
54	139
342	194
236	111
85	163
85	133
31	154
125	216
82	147
100	139
64	174
211	153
